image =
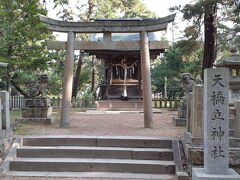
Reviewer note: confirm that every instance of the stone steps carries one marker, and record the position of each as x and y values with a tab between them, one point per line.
92	165
89	156
95	152
101	141
91	175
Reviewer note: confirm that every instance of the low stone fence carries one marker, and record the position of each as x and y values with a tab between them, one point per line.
76	103
166	102
18	102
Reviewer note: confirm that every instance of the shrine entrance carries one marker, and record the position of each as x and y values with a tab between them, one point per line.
121	84
127	76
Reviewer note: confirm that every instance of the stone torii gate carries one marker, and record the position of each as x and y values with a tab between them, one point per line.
141	26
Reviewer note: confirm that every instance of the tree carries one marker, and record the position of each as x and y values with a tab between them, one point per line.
207	11
170	67
182	56
135	8
55	72
23	39
204	12
77	76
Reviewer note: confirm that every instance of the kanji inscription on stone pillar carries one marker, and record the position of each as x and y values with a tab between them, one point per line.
216	121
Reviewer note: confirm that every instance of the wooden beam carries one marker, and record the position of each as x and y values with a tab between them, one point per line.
112	45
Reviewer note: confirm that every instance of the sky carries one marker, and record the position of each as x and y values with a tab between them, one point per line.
160	7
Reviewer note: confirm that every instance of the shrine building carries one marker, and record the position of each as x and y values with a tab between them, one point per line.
121	83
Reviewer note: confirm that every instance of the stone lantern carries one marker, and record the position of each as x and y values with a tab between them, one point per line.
233	63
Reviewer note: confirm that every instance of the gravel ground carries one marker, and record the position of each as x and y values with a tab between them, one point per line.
109	125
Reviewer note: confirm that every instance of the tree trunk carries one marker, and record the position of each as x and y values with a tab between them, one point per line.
93	77
19	89
77	77
210	30
80	61
90	9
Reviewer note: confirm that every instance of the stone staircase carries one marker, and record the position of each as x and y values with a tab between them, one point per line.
126	157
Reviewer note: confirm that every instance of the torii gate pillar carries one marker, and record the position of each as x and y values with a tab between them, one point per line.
68	81
146	78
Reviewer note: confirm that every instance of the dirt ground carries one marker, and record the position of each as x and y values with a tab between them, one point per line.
110	124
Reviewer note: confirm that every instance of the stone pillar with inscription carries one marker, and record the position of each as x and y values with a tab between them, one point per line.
216	128
232	62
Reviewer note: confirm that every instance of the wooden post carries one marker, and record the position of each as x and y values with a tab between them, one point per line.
58	102
170	101
68	82
73	102
139	79
155	102
53	101
176	103
146	78
107	36
1	123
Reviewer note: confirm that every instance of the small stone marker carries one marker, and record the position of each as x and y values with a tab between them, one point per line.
197	111
216	127
5	109
1	123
